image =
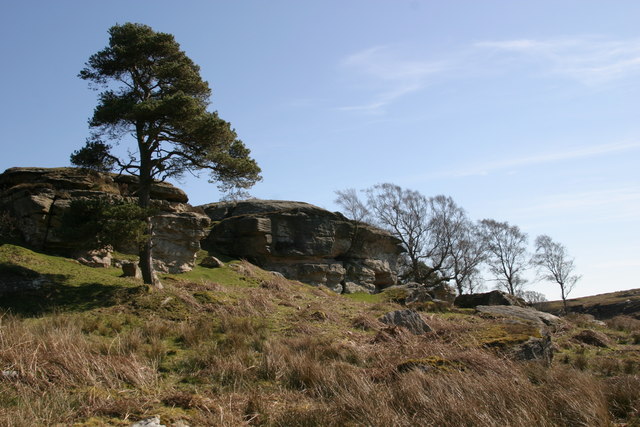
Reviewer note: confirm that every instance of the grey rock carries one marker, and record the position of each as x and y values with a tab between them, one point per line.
149	422
442	292
523	313
487	298
591	337
535	349
278	274
97	258
211	262
409	319
352	288
304	242
131	269
10	374
176	240
416	292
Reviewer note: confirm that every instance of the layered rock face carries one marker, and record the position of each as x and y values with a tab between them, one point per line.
37	198
305	242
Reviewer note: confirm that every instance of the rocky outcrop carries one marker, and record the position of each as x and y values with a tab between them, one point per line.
487	298
37	198
304	242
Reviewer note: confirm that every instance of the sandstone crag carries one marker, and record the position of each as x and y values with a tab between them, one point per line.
304	242
37	198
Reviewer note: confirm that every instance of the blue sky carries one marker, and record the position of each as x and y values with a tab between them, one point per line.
524	112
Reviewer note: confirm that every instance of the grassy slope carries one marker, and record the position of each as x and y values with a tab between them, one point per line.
602	305
240	346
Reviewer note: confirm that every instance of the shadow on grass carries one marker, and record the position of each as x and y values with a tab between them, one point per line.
26	292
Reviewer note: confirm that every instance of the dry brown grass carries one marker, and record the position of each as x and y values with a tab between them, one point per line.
276	353
53	362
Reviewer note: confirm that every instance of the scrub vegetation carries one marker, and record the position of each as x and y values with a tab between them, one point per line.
241	346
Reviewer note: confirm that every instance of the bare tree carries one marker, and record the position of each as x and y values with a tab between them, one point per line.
533	297
506	246
474	283
467	254
405	213
431	230
553	264
353	207
447	221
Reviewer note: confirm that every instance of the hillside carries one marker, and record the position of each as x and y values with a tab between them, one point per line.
241	346
601	306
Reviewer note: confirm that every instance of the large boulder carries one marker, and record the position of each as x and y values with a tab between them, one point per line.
304	242
522	313
37	198
487	298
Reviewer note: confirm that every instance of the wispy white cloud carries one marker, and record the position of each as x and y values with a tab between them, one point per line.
388	75
590	60
389	72
549	157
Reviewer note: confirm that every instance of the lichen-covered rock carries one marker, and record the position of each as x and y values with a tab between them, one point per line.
304	242
523	313
37	198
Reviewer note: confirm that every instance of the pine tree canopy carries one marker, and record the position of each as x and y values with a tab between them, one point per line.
153	92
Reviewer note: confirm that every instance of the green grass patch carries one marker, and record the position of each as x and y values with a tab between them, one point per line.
62	283
229	275
365	297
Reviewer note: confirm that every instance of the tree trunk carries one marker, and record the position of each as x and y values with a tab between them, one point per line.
144	201
564	300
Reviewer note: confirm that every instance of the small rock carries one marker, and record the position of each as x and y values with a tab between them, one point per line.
408	319
443	292
591	337
149	422
11	374
352	288
211	262
97	258
540	349
131	269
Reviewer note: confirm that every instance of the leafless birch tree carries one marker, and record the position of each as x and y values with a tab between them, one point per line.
554	264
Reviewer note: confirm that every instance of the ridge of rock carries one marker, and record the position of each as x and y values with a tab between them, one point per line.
304	242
